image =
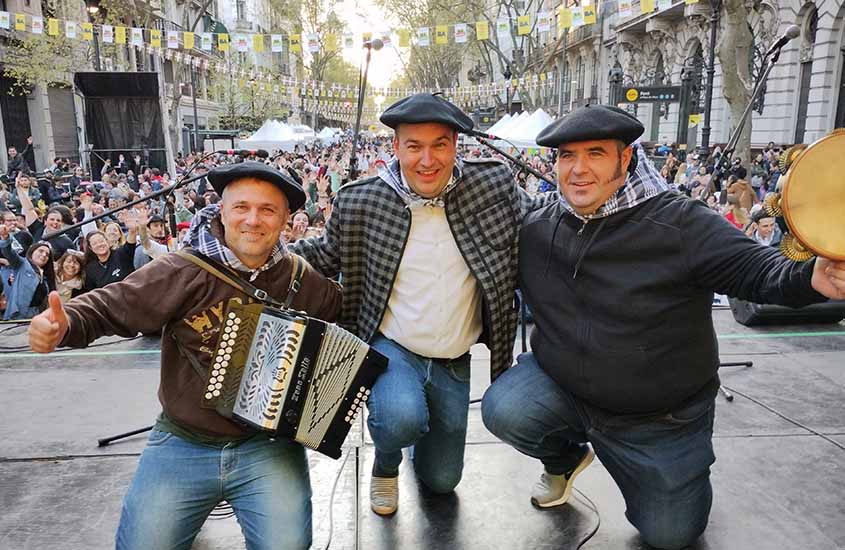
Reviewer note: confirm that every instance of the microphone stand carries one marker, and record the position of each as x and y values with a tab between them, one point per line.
724	160
170	188
724	163
525	166
362	87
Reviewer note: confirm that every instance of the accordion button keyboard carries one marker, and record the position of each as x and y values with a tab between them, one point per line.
209	395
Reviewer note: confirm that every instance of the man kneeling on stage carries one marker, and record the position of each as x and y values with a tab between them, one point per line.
620	279
195	458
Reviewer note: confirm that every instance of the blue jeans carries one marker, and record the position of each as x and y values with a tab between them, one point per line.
178	483
424	403
661	463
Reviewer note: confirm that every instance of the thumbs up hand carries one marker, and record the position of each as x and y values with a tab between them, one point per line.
48	327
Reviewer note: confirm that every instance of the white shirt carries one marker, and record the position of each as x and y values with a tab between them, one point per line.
434	309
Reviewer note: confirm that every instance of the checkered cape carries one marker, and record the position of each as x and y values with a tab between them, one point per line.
366	234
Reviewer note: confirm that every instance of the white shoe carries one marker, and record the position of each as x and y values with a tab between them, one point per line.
384	495
554	490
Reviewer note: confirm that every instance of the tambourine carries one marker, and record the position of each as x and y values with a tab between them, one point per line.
812	199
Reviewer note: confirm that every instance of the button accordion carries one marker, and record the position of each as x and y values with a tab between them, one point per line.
290	375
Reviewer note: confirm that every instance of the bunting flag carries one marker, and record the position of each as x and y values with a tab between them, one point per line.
70	29
503	28
4	20
590	14
120	35
87	32
20	21
349	41
223	42
206	41
37	25
625	9
295	43
423	38
577	17
173	40
404	38
188	40
564	19
313	43
544	21
53	27
460	33
523	25
482	30
137	37
441	34
647	6
155	38
663	5
108	34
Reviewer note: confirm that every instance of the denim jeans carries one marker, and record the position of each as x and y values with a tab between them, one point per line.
424	403
661	463
178	483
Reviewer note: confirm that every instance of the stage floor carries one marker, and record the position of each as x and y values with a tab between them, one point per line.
779	477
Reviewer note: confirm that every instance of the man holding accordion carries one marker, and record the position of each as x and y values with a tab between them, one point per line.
195	458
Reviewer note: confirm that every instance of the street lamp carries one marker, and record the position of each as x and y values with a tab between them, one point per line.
716	10
93	8
507	74
370	45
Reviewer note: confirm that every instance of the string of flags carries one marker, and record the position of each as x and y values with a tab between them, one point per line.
561	19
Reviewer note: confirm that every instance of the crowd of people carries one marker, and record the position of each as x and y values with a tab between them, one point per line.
34	206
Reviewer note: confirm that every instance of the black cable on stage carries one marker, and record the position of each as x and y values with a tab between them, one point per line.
18	349
595	509
783	416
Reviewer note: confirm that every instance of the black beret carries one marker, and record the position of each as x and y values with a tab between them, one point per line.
589	123
155	218
222	176
420	108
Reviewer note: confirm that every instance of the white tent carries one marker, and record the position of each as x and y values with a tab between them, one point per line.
501	123
523	131
271	136
329	135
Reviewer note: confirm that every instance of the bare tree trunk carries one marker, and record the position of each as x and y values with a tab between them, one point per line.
734	53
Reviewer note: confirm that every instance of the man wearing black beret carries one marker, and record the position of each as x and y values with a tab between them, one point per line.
196	458
619	275
427	251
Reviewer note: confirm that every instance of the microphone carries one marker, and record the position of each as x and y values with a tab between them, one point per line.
260	153
791	32
374	44
477	133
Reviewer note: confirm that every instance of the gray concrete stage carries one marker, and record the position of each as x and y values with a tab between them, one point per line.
779	478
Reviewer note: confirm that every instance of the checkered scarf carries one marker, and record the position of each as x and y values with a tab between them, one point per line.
644	184
200	238
392	174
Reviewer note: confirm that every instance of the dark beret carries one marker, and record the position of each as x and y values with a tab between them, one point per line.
592	122
420	108
222	176
155	218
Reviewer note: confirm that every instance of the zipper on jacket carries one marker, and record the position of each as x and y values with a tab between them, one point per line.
586	221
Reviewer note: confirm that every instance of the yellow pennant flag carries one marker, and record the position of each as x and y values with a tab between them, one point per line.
53	27
367	36
87	32
482	30
223	42
120	35
155	38
647	6
404	38
188	40
258	42
20	21
295	43
589	15
564	19
523	24
331	42
241	83
441	34
690	1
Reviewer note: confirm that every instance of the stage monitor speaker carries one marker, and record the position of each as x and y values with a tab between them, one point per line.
123	115
751	314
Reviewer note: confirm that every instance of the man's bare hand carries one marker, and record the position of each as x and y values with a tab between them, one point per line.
829	278
49	327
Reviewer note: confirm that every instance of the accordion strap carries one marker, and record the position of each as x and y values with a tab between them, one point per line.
229	276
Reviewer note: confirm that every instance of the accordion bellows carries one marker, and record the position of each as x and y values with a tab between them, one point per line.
290	375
